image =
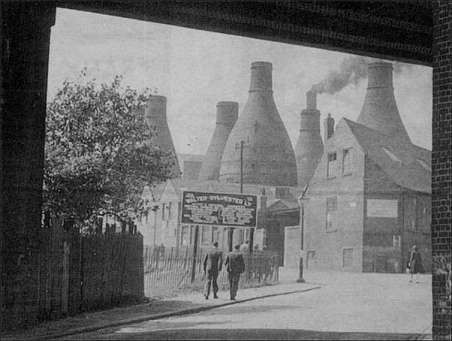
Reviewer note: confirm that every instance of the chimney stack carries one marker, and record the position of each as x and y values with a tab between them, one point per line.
227	113
311	100
261	76
379	110
155	116
328	126
309	147
268	155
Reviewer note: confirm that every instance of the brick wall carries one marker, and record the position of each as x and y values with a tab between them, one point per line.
441	167
346	231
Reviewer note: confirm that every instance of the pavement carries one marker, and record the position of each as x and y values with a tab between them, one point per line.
157	308
328	306
347	306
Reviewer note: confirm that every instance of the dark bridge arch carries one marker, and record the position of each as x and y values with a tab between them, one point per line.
417	31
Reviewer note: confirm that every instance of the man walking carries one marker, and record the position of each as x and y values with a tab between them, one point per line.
235	265
416	266
212	266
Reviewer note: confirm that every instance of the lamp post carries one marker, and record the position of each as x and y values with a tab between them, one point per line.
301	203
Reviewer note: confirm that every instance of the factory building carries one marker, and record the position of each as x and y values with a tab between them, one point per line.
268	161
365	190
369	199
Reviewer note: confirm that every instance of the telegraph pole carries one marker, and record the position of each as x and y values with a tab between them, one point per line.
231	229
195	253
242	143
154	209
241	165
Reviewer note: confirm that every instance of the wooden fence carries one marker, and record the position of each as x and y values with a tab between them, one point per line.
169	270
86	272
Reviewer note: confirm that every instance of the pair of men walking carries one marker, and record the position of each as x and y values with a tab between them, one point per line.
213	262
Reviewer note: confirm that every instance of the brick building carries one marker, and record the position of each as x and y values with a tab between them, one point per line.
369	200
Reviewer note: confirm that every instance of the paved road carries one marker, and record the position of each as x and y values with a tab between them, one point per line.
348	307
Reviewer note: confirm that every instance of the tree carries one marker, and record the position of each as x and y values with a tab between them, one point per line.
98	156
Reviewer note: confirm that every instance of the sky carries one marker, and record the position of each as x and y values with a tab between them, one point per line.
195	69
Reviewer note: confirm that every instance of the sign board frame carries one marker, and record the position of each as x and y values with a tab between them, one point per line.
239	206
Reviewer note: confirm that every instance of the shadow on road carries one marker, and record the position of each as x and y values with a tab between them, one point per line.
260	334
236	309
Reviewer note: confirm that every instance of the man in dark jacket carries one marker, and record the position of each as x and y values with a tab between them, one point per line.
212	266
235	265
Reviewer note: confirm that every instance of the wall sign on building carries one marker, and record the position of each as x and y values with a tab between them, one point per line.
220	209
382	208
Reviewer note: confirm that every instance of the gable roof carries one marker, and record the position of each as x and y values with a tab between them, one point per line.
282	205
155	191
398	159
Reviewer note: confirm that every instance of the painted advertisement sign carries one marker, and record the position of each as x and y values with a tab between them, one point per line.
219	209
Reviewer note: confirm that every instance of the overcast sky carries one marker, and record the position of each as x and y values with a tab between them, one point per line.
196	69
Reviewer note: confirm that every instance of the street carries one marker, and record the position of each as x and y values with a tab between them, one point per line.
347	306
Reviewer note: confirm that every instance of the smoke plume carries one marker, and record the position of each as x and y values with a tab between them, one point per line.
351	71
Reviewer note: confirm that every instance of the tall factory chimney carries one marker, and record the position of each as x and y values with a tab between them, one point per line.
379	110
227	113
155	115
268	157
309	148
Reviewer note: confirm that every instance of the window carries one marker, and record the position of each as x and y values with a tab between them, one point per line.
185	235
331	165
215	234
346	162
347	257
425	216
410	214
169	210
396	241
331	208
163	211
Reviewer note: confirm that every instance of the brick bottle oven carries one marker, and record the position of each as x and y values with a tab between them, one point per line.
227	113
155	115
309	148
268	155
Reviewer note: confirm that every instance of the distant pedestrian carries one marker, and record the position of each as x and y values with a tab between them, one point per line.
213	262
245	246
235	266
415	264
